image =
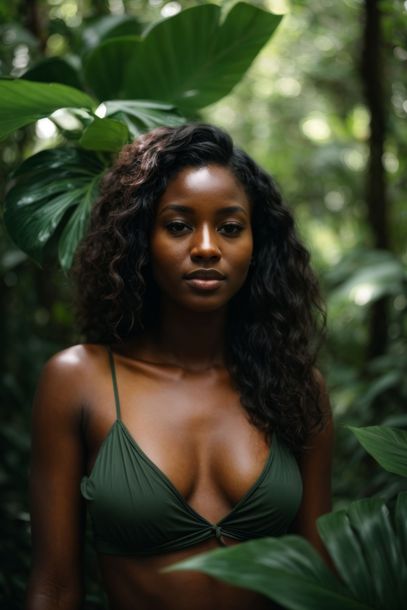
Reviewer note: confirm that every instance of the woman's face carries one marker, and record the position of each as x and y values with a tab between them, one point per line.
202	225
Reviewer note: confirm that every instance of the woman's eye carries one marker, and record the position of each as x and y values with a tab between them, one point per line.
176	226
231	228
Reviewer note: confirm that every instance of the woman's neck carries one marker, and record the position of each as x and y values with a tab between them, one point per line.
189	339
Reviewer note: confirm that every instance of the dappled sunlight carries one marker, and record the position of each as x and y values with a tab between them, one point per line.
45	129
68	10
363	293
117	7
288	86
316	128
101	111
21	57
355	159
171	8
280	7
334	201
359	122
323	241
391	162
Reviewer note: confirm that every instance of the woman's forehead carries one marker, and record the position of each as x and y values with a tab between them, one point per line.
209	183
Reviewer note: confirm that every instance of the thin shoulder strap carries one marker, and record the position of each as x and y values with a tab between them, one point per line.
113	371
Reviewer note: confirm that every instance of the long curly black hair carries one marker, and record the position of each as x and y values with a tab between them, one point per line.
276	321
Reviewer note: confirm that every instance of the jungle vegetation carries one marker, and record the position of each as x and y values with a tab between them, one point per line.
317	94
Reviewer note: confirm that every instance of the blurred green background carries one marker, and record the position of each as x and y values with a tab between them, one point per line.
323	109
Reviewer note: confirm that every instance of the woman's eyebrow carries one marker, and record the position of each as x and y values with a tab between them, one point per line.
175	207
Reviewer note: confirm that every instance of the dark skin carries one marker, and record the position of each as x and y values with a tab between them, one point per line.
177	401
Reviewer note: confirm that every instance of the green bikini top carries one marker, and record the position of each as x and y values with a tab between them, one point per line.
136	510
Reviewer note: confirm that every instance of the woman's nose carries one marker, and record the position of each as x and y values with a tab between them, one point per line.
205	244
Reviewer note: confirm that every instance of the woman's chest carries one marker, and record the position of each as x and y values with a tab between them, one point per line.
191	427
167	477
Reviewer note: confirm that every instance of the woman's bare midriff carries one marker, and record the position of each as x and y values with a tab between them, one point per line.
134	583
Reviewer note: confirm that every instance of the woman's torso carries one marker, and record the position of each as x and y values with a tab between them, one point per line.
193	429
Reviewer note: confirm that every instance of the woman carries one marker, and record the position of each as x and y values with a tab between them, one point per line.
193	415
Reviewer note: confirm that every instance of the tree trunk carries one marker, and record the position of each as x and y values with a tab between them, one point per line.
34	18
376	193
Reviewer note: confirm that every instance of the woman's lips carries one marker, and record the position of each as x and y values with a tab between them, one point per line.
204	284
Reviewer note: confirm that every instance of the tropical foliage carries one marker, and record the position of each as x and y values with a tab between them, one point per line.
302	112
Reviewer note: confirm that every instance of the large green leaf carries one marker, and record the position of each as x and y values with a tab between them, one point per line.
104	67
190	60
47	186
367	544
287	570
105	134
387	445
23	102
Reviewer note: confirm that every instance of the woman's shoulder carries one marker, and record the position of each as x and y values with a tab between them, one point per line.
68	376
75	360
76	355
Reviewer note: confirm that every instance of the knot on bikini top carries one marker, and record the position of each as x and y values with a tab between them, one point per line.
217	530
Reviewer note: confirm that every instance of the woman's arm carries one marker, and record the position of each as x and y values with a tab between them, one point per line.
316	465
57	512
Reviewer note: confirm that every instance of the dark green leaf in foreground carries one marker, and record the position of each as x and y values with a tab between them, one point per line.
287	570
105	134
189	60
370	518
23	102
48	186
367	553
387	445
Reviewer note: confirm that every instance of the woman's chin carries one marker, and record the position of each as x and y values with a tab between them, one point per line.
203	305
